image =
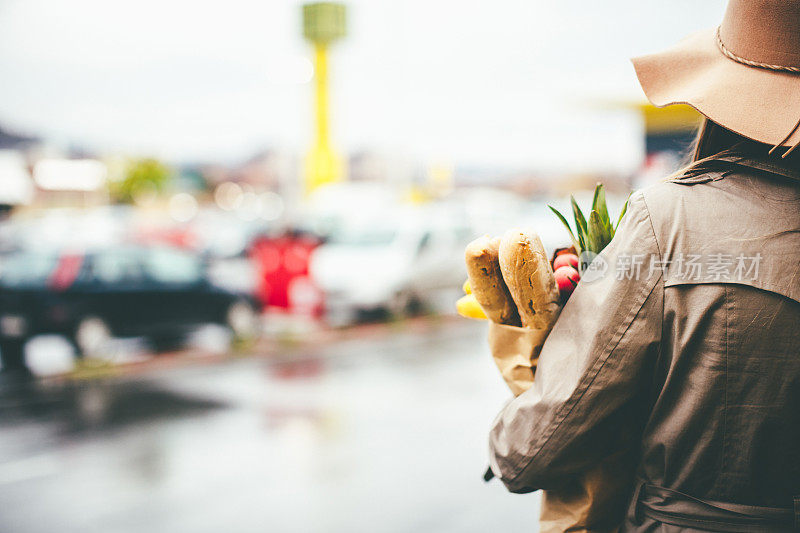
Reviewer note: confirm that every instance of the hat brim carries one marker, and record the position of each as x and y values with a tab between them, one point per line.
758	103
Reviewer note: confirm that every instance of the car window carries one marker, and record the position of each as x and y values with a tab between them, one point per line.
362	236
172	266
117	267
424	243
24	270
464	234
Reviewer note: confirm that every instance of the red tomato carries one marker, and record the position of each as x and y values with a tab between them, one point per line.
565	260
567	279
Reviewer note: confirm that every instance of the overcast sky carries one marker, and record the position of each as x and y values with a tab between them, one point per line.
501	82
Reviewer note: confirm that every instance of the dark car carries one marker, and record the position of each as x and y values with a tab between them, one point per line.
158	293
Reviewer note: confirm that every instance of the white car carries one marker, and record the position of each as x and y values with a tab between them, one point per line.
415	256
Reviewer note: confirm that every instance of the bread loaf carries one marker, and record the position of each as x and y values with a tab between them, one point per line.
486	281
529	277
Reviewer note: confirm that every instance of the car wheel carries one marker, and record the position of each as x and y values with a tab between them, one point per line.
400	304
92	337
166	343
243	320
12	355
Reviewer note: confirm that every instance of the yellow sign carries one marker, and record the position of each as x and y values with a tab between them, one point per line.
669	119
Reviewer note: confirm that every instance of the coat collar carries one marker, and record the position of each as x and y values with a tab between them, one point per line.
767	166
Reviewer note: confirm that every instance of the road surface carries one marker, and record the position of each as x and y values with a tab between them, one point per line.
383	432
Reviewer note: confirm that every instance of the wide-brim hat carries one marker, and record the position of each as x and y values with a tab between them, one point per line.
743	75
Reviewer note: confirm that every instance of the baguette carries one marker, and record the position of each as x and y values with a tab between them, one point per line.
486	281
529	277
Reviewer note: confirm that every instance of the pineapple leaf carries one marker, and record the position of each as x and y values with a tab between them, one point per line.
599	202
622	213
580	223
597	233
563	220
608	226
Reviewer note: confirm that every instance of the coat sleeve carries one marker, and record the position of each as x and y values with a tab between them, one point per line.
595	370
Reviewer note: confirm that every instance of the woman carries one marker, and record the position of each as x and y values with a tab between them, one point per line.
685	355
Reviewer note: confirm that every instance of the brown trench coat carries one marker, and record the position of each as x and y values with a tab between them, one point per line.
691	372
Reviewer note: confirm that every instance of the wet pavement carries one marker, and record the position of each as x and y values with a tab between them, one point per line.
384	432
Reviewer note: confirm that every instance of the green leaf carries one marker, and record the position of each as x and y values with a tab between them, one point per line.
599	202
622	213
609	232
580	223
598	237
609	228
563	220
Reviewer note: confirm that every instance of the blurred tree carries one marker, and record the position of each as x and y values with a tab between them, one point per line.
142	179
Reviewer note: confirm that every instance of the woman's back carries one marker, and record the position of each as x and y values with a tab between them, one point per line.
725	419
680	350
678	354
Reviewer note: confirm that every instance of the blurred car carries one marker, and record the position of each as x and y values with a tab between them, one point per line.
158	293
390	264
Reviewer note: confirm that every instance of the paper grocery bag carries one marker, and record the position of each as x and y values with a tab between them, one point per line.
515	351
593	503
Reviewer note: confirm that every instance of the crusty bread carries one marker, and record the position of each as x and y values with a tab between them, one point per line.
486	280
529	277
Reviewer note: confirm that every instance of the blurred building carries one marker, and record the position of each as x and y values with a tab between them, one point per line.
70	182
269	169
17	186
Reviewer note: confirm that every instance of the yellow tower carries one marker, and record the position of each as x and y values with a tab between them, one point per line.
323	23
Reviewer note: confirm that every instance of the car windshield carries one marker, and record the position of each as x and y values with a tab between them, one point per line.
172	266
112	267
363	236
24	270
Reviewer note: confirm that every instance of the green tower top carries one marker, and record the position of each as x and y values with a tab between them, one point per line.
324	22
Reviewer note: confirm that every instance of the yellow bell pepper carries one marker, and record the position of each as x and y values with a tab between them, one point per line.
468	307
